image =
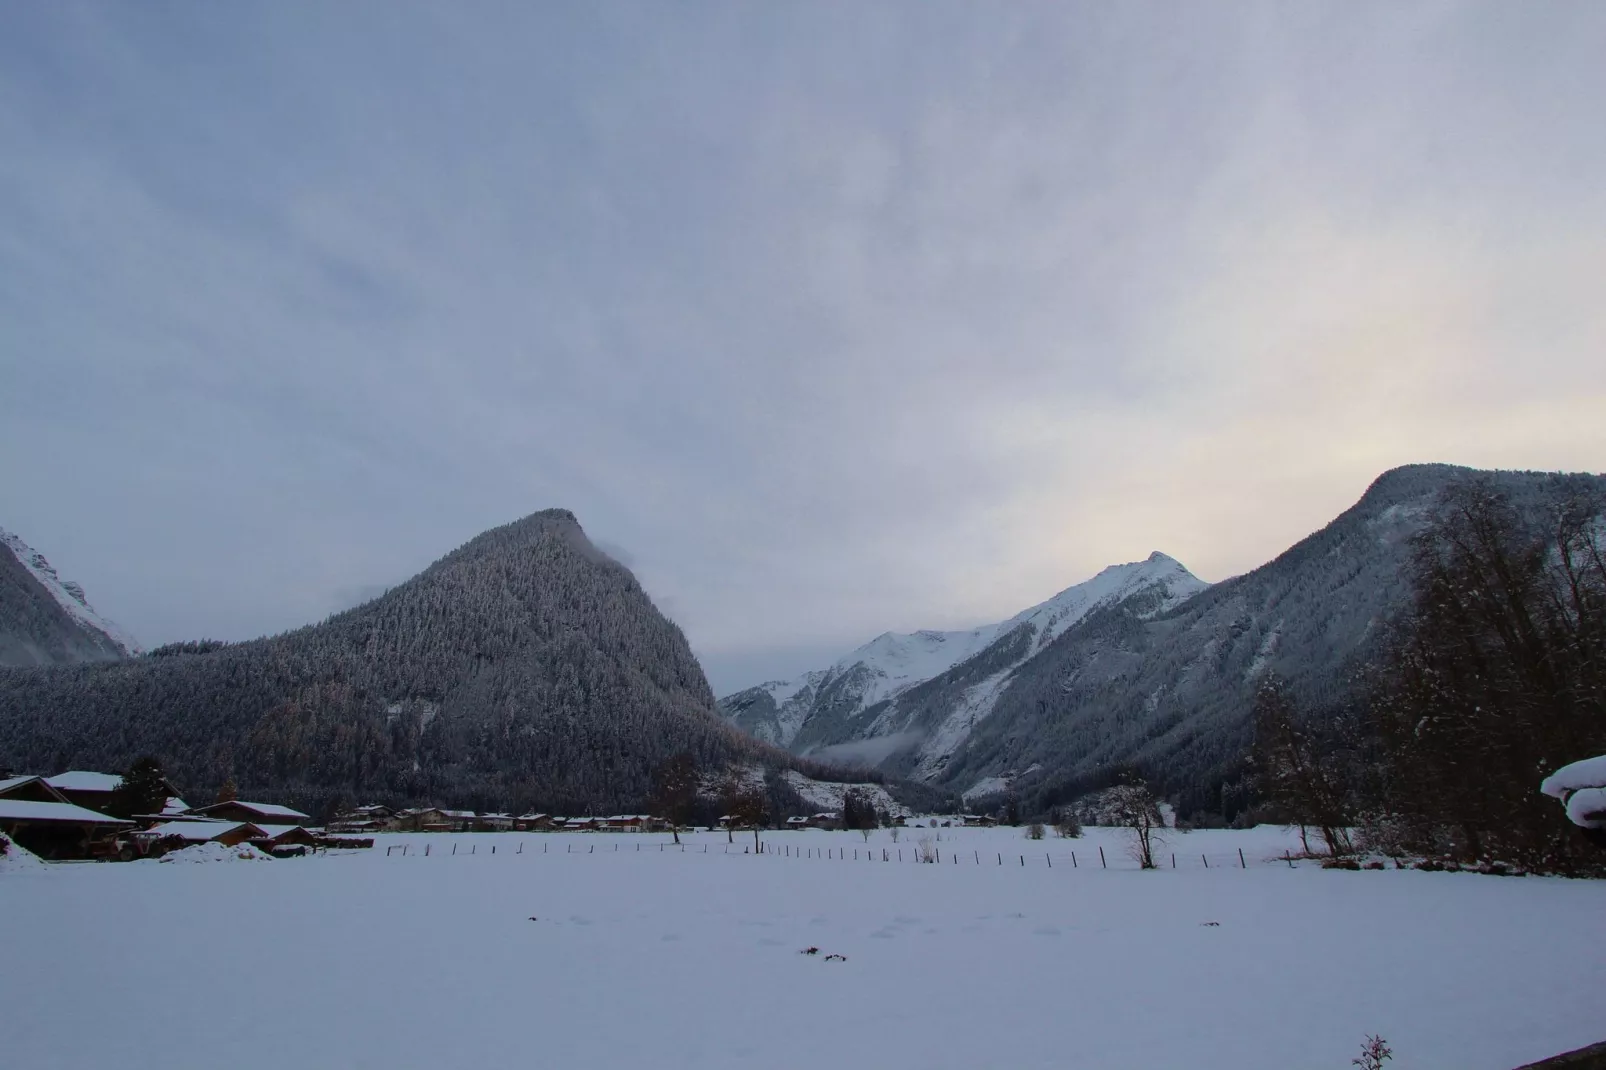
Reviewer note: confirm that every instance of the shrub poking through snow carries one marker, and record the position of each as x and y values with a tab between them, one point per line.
927	850
1068	825
1034	831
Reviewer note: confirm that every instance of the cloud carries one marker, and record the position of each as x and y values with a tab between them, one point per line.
824	320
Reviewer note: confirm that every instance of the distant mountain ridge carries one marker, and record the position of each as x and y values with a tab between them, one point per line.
45	620
1158	678
828	707
525	668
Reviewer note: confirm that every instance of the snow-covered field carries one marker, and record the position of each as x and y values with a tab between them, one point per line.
604	951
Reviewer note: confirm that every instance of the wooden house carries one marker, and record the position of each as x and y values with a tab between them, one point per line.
228	833
237	810
93	791
38	816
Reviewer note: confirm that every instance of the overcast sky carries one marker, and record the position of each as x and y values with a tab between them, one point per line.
827	318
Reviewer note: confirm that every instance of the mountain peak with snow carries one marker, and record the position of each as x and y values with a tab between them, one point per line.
894	662
45	619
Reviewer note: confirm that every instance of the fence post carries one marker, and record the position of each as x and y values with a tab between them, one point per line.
976	857
454	847
426	850
388	850
593	850
473	847
1287	858
1022	861
521	848
1050	860
1241	863
1173	860
1000	858
1103	863
1073	859
493	848
1206	861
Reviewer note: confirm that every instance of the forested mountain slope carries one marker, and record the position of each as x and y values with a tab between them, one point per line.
1148	679
45	620
524	669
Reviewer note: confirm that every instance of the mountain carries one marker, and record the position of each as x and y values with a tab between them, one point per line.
525	668
1158	678
871	703
47	621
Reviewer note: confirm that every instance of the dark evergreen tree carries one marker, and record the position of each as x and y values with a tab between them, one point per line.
143	789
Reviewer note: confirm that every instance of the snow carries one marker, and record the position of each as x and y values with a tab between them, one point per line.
988	785
615	957
1581	786
16	859
198	831
978	701
1586	808
829	796
1589	773
68	595
893	662
216	852
274	810
24	810
10	782
84	780
275	831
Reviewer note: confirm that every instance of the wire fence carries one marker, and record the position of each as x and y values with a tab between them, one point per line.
1089	856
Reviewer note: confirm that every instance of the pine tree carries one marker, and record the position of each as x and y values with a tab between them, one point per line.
143	790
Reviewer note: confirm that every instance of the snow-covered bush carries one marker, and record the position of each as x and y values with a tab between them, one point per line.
1581	788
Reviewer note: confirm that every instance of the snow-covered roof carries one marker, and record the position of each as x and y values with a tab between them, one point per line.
461	815
84	780
275	831
174	806
263	809
197	831
23	810
11	782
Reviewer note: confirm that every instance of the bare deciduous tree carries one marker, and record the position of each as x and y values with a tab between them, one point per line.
1134	807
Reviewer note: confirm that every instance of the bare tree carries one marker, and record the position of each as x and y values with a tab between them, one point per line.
751	809
1134	807
675	794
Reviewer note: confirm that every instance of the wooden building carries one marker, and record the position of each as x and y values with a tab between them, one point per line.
38	817
259	813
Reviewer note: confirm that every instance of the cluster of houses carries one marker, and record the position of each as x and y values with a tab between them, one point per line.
69	816
374	818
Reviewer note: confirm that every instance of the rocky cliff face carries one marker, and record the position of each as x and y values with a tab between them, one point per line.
45	620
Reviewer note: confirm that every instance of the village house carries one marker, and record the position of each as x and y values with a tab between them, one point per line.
228	833
422	819
372	818
257	813
800	821
93	791
39	818
832	820
533	822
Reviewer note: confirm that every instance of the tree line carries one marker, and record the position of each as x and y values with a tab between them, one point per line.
1493	677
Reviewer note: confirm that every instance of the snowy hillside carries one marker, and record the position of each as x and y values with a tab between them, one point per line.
45	619
782	711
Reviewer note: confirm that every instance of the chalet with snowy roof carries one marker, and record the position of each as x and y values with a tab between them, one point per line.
533	822
493	823
40	818
259	813
371	818
93	791
800	821
832	820
228	833
422	819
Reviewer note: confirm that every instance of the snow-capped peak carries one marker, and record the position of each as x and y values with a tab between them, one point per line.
68	594
893	662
